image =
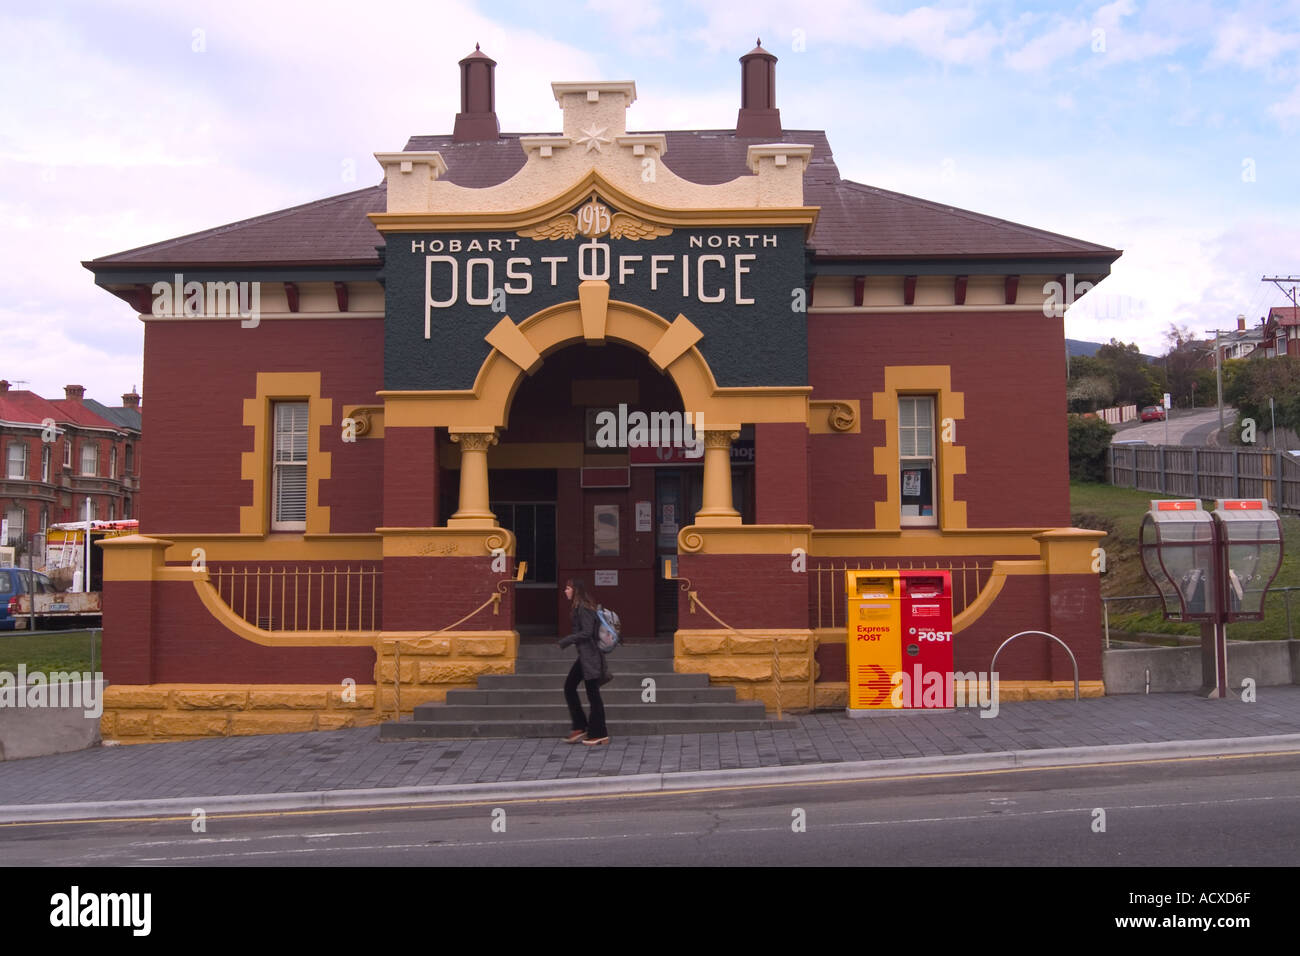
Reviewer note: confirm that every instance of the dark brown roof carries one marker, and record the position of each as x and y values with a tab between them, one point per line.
855	222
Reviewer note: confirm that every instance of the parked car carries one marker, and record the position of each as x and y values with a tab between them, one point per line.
15	582
1153	413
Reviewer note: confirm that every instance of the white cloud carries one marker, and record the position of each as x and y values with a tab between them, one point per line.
1243	41
944	34
1287	111
1051	48
627	17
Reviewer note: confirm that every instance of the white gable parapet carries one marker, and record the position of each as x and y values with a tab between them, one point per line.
595	138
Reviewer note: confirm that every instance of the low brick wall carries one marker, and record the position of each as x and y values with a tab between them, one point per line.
744	659
431	666
160	712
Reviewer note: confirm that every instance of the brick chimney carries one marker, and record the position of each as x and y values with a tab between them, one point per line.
477	119
74	393
758	118
131	399
1241	323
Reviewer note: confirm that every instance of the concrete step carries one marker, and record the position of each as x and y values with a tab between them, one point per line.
658	651
411	729
617	665
611	693
622	681
614	713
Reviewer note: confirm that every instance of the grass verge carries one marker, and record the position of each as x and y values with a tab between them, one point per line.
64	651
1118	512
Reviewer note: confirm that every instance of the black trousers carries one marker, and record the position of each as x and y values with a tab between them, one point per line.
595	727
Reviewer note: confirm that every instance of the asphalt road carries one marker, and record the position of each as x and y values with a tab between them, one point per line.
1242	811
1186	427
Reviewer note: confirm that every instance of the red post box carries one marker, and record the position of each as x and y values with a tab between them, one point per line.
926	622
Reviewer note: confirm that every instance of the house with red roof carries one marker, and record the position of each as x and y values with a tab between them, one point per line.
1281	331
60	454
697	369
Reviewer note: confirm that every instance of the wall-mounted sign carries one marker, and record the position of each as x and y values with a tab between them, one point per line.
444	292
605	579
742	453
644	515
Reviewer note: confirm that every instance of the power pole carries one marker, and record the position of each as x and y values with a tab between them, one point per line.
1218	373
1279	280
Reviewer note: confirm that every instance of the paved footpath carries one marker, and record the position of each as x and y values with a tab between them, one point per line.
349	760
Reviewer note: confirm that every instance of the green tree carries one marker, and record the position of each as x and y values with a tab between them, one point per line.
1252	384
1089	441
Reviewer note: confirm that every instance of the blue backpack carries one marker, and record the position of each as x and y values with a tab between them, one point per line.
609	632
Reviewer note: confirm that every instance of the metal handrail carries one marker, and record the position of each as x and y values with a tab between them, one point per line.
993	668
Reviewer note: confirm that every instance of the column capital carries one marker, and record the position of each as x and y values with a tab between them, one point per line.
720	437
474	440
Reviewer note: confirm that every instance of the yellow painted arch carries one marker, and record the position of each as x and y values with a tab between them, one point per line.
519	350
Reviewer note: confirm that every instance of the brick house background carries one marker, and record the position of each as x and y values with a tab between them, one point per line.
59	452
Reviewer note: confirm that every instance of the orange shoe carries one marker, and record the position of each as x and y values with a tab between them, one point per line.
575	736
595	741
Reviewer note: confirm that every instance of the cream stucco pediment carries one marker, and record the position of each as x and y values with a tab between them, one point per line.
595	148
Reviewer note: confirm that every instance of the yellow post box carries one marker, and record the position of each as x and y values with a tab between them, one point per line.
875	644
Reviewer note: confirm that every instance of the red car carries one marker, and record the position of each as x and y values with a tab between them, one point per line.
1153	413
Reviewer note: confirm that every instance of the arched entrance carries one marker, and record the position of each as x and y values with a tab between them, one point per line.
582	503
524	438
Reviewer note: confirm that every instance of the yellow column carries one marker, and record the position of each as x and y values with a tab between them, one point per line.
718	507
474	510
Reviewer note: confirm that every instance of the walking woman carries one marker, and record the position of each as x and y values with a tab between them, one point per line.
589	668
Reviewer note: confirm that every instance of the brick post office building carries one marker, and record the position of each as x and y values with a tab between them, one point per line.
418	405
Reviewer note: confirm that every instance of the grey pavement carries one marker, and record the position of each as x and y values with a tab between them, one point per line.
356	760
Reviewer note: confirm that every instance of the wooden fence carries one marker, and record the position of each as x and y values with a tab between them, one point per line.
1207	472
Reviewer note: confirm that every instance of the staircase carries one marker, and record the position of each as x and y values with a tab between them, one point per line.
530	702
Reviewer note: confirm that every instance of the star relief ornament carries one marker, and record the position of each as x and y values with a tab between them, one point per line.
594	138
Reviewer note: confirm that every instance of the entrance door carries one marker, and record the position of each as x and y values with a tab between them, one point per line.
679	494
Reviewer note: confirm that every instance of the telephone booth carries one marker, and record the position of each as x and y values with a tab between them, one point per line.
1250	548
1214	568
1177	546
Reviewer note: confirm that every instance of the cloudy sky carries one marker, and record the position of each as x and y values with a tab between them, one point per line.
1170	130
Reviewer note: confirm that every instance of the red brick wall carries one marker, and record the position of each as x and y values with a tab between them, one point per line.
1059	604
428	594
192	647
744	590
1011	368
410	469
128	629
781	466
196	376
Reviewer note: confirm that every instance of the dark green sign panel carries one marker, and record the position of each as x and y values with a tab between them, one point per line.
743	288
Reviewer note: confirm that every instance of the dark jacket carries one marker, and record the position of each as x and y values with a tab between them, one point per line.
585	628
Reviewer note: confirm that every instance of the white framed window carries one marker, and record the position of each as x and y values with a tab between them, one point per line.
289	467
130	459
112	462
17	518
916	460
67	452
45	463
16	460
112	510
90	459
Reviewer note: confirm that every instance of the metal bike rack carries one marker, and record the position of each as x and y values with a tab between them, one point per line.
994	666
